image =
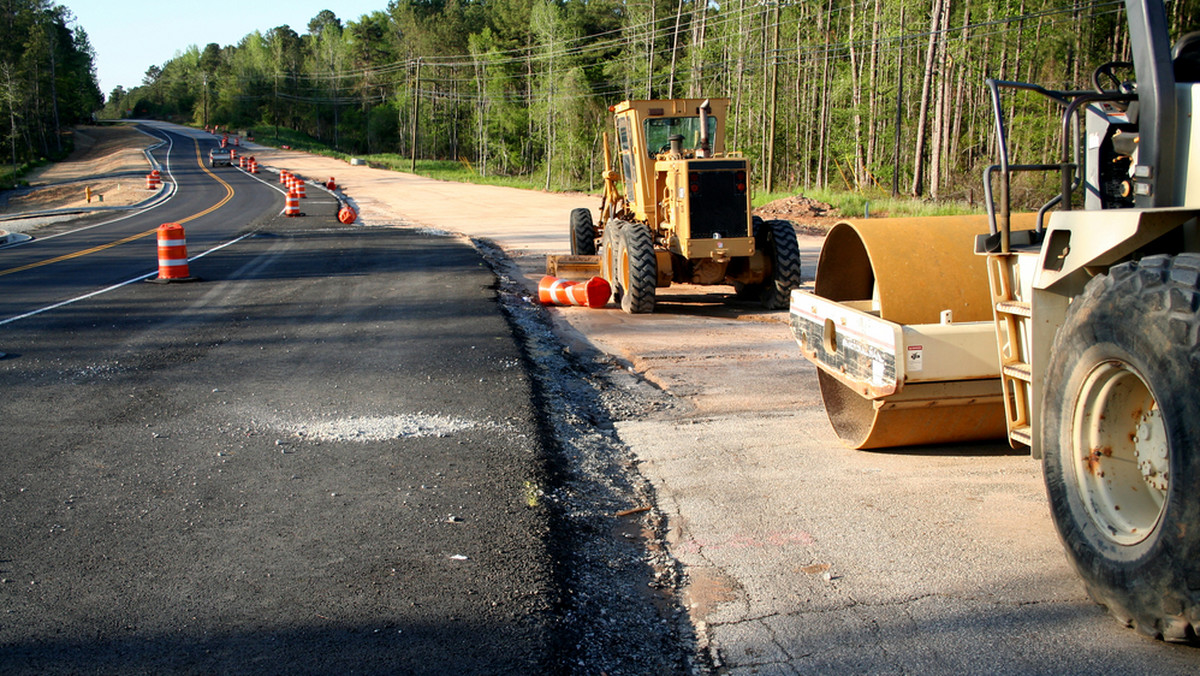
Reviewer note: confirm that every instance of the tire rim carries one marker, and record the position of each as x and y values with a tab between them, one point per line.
1120	442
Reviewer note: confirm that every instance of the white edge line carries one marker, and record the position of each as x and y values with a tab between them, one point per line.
117	285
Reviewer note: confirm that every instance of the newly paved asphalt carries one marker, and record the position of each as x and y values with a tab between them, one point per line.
322	458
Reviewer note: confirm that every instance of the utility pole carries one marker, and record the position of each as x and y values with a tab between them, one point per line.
206	100
416	114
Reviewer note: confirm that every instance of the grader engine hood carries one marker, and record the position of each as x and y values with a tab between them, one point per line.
708	206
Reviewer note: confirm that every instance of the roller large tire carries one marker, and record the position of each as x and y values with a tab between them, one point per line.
1121	442
637	269
583	233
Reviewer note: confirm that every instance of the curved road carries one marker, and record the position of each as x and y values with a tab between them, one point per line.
214	205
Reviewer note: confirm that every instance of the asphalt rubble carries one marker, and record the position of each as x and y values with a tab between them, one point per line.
621	611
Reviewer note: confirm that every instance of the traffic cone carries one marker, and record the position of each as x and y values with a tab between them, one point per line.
593	293
172	254
291	204
330	184
347	215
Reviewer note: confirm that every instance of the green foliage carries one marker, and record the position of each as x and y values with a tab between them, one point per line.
828	94
47	82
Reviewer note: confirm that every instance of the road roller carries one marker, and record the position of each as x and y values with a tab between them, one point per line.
1073	331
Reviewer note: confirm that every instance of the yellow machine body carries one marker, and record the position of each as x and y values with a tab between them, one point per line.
687	195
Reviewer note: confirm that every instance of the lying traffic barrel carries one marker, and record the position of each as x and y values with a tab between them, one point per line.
913	271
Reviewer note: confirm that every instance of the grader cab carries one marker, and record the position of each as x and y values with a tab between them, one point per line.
677	210
1074	332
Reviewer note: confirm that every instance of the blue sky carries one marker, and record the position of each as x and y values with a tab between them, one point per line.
129	36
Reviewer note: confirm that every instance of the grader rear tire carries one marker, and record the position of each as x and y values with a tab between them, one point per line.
583	233
610	247
1120	436
637	269
778	242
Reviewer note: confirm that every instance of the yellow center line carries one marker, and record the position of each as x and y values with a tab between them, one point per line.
102	247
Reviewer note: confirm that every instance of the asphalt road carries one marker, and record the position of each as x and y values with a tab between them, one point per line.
214	206
325	457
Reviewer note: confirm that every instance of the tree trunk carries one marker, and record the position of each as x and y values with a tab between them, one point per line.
674	50
695	86
941	82
935	20
872	87
855	102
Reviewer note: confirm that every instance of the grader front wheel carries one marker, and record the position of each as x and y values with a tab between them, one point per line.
637	269
1121	432
610	248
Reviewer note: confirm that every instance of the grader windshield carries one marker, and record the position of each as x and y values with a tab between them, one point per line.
659	131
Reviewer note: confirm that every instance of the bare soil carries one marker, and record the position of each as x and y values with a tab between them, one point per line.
107	159
808	215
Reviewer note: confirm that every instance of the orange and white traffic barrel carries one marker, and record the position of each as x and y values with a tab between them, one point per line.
284	174
347	215
593	293
253	166
172	253
298	186
291	204
153	180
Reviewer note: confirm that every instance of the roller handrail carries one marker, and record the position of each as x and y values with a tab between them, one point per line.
1071	101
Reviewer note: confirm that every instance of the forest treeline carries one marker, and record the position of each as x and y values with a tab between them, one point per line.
844	94
47	80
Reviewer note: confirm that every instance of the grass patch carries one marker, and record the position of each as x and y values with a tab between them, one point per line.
461	171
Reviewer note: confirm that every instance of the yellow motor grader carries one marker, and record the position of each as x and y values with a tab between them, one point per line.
678	210
1074	332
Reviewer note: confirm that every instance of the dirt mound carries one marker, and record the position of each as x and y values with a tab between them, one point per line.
806	213
108	159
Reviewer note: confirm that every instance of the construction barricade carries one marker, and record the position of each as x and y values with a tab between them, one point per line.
593	293
172	254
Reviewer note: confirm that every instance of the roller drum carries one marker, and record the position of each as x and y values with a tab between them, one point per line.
912	269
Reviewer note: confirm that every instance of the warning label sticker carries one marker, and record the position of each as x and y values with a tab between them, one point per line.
915	358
